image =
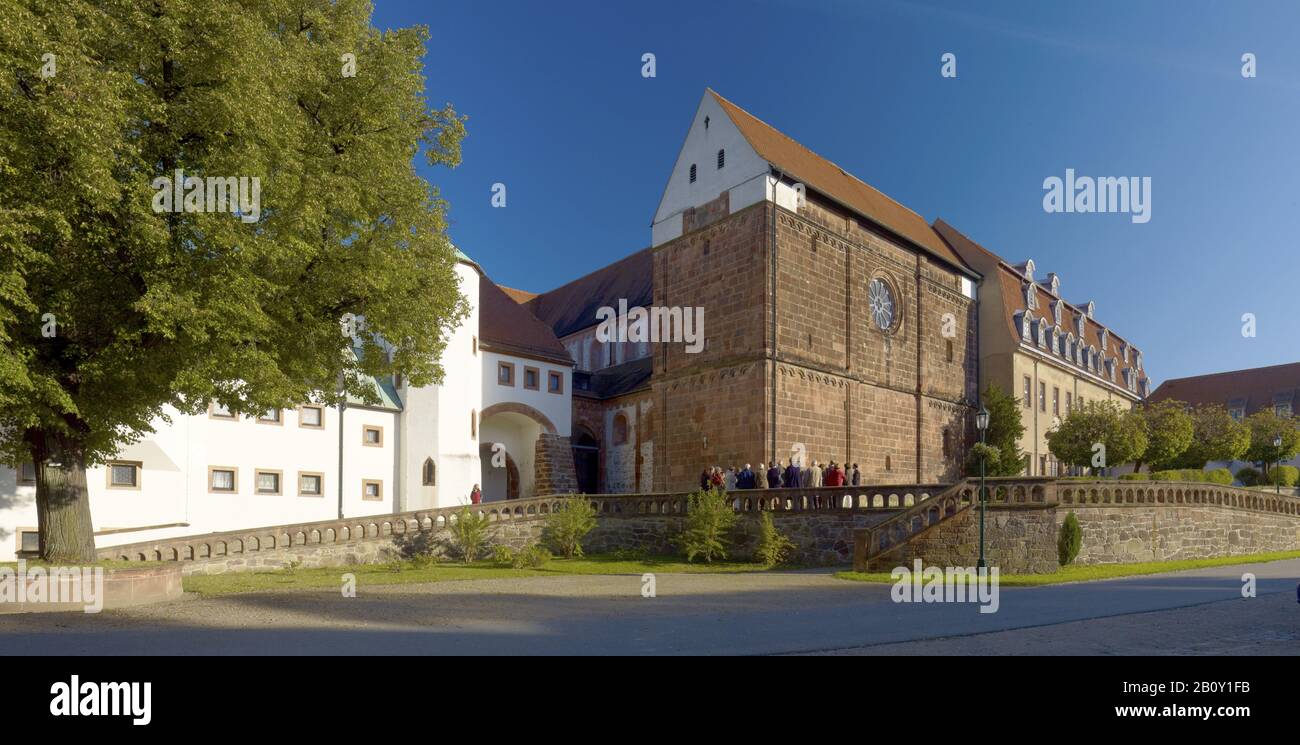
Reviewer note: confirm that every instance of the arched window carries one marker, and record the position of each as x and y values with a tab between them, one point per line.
429	474
620	429
947	444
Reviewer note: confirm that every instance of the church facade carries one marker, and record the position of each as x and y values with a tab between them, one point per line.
838	324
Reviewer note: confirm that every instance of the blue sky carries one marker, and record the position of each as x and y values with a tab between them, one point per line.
558	111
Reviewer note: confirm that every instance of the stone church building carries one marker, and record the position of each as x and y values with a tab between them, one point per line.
838	325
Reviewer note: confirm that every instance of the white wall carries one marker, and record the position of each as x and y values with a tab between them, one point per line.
558	407
436	419
743	167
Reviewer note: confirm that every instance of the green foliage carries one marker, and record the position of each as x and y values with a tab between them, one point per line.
503	554
709	520
1281	476
570	522
1221	476
469	533
1195	475
180	308
1169	432
773	547
533	557
1265	425
1249	476
1216	436
990	455
1004	433
1123	433
1069	541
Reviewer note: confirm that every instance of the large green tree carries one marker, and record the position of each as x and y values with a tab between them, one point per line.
1004	433
1266	427
1121	435
1216	436
152	311
1169	433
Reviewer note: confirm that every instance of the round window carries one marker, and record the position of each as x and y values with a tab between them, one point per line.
883	304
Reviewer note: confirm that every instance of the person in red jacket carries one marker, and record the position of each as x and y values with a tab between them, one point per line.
834	475
475	495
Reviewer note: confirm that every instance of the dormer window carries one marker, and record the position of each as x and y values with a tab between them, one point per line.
1056	312
1105	339
1083	325
692	173
722	159
1031	297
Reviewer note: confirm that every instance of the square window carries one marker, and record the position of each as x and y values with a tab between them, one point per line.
268	482
505	373
29	541
372	436
220	411
555	382
223	480
270	416
311	484
311	417
372	491
123	475
532	378
27	473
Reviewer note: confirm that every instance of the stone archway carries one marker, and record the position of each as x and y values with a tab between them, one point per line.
513	407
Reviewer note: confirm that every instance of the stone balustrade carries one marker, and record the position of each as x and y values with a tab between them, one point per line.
847	499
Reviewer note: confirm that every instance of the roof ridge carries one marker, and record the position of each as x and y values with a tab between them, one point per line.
1234	372
812	152
593	271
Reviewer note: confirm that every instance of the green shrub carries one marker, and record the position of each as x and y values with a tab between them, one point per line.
1194	475
469	533
709	519
1221	476
533	557
503	555
423	561
1134	476
1248	476
1070	540
773	547
567	524
1281	476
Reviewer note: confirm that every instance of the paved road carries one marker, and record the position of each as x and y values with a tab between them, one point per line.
767	613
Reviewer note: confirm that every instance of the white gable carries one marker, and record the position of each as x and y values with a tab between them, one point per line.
744	173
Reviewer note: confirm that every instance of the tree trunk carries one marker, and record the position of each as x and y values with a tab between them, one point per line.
63	513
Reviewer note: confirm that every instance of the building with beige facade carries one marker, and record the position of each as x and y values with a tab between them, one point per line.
1054	356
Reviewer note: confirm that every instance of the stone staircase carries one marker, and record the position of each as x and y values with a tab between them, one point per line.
872	544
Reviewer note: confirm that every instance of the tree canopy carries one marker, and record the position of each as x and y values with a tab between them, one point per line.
152	309
1101	434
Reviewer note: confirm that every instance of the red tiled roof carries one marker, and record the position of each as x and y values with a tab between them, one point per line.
1011	287
817	172
519	296
506	326
572	307
1255	389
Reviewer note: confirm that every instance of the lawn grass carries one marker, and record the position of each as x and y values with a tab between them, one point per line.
1098	571
387	574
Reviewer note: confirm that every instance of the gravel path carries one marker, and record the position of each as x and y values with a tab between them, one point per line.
760	613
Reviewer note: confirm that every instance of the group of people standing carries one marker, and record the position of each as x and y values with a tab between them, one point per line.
792	475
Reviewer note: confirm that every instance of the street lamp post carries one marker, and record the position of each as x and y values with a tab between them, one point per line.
1277	473
982	424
